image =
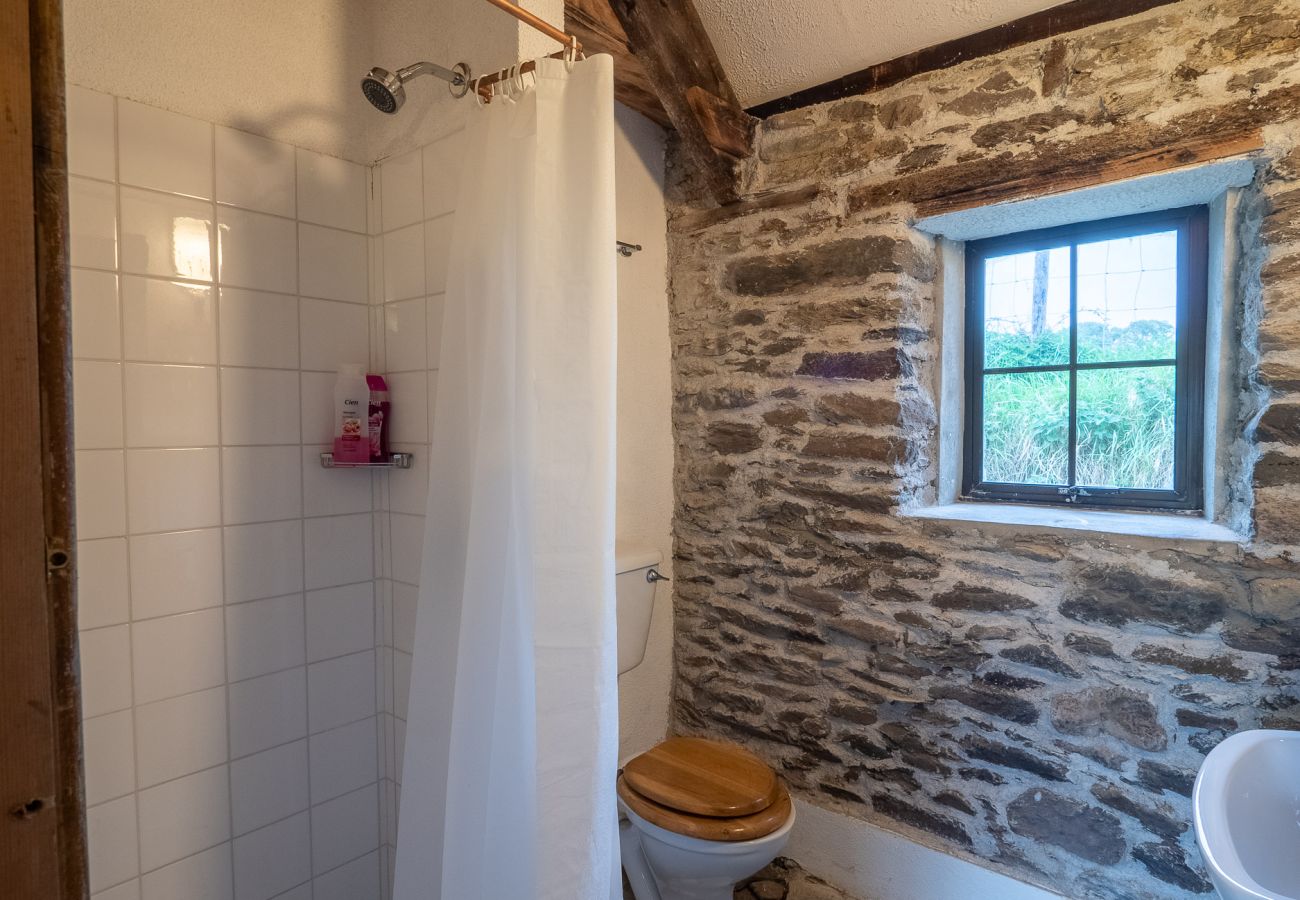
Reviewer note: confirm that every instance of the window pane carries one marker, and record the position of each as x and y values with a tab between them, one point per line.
1027	309
1128	298
1026	428
1126	428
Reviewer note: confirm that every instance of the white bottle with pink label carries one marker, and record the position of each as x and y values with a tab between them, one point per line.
351	416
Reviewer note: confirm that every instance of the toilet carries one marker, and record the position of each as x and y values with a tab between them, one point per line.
695	815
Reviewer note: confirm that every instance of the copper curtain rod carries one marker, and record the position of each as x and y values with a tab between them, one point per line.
540	24
484	83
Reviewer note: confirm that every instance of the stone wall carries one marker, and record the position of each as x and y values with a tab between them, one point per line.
1038	701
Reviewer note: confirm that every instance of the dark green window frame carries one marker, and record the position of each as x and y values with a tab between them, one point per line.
1191	224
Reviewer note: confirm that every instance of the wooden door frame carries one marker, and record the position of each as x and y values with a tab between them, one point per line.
42	804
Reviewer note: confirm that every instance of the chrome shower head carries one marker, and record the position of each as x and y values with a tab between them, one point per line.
385	90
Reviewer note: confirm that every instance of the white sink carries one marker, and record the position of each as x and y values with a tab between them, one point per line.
1246	805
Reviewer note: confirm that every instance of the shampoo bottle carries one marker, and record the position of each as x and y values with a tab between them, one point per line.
351	416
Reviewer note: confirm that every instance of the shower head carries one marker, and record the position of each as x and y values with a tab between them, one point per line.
386	92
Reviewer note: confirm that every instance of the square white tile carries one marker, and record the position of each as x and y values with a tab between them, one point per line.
105	670
442	167
437	252
171	406
173	490
263	560
343	759
269	786
259	329
333	492
437	306
175	572
340	621
180	736
97	399
203	876
261	484
168	321
163	150
410	487
109	750
267	712
405	337
182	817
342	691
92	221
331	191
408	392
358	880
401	688
344	828
92	146
332	264
317	408
257	251
259	406
401	191
254	172
332	334
102	597
166	235
407	547
175	655
273	859
406	600
101	494
404	265
96	333
339	550
264	636
111	836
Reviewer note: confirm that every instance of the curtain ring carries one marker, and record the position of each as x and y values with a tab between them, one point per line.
478	97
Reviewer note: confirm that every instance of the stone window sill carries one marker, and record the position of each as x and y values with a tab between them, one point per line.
1137	524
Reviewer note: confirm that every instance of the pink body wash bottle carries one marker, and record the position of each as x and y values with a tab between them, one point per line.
379	409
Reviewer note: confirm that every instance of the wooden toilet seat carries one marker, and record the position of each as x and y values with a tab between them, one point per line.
705	789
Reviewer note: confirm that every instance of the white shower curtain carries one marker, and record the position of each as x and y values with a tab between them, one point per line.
511	742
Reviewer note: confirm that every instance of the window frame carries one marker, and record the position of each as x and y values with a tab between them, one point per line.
1192	225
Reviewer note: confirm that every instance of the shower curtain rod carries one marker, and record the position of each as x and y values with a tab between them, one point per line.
540	24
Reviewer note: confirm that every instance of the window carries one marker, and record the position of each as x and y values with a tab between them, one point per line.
1085	355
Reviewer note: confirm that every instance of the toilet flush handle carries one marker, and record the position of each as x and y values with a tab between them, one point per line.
652	575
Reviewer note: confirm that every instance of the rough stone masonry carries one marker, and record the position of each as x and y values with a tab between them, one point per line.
1036	701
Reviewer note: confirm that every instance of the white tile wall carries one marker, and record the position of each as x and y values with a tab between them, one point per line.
219	279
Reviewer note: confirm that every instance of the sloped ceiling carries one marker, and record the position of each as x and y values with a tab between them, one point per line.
771	48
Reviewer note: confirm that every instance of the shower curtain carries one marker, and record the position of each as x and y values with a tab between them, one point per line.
511	741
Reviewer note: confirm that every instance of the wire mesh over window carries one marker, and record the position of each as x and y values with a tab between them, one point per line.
1085	352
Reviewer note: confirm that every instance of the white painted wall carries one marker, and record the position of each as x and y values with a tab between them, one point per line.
645	446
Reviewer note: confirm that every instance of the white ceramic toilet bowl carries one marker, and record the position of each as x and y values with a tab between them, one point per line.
663	865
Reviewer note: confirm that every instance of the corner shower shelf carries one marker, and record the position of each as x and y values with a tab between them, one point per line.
395	461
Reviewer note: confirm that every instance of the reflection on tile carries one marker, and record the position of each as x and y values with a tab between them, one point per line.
166	235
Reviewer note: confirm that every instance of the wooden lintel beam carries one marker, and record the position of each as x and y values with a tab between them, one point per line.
672	46
596	26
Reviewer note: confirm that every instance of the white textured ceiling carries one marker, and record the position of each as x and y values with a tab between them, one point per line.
771	48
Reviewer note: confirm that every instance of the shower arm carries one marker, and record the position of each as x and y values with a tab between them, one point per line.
406	73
